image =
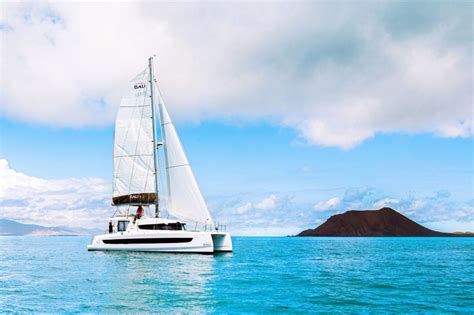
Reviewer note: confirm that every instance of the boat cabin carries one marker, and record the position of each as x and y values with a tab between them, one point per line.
121	223
177	226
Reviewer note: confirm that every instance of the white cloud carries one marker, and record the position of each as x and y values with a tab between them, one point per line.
386	202
244	208
338	77
328	204
457	129
417	204
267	203
83	202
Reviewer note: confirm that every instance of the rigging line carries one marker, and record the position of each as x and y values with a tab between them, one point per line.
134	106
130	155
117	209
161	169
187	164
162	185
148	172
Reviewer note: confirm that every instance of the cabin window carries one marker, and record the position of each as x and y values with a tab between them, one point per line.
149	240
122	226
163	227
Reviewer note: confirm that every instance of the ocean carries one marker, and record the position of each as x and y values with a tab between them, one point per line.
263	275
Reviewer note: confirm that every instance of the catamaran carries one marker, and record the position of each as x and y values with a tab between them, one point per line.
139	145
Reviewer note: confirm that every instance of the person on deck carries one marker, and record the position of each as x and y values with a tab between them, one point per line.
139	214
111	228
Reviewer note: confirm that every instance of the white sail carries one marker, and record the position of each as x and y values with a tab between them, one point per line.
133	180
185	200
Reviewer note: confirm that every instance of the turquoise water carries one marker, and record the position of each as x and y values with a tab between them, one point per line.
263	275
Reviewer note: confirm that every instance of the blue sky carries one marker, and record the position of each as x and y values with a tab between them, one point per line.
231	158
298	113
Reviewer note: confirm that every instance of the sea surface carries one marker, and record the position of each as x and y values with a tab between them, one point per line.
262	275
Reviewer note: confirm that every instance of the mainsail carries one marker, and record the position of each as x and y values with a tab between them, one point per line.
133	180
185	200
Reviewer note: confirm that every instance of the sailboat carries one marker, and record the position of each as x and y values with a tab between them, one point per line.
146	145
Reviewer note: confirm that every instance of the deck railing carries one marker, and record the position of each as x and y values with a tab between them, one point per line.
217	227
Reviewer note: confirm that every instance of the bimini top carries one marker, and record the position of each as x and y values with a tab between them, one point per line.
134	199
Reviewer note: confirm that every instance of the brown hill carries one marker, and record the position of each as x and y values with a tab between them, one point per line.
383	222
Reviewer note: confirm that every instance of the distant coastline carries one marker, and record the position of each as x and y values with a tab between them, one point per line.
12	228
383	222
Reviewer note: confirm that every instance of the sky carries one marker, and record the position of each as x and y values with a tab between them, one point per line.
289	112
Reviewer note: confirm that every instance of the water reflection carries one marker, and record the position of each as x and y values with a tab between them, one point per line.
171	282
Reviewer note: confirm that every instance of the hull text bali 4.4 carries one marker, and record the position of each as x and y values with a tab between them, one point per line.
136	182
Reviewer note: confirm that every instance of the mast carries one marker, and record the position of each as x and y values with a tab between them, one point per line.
155	145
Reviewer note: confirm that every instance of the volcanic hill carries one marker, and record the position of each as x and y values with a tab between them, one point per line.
382	222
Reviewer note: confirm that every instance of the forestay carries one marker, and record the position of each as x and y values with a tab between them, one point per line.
185	200
133	180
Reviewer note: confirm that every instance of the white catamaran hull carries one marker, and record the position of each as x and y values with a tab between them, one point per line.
222	242
161	241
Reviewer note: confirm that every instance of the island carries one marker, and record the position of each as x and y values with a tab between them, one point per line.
11	227
382	222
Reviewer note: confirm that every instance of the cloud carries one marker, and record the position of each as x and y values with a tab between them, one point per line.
260	213
267	203
328	204
388	202
83	202
338	73
244	208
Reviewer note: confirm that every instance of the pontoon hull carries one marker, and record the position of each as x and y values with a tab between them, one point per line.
222	242
166	242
